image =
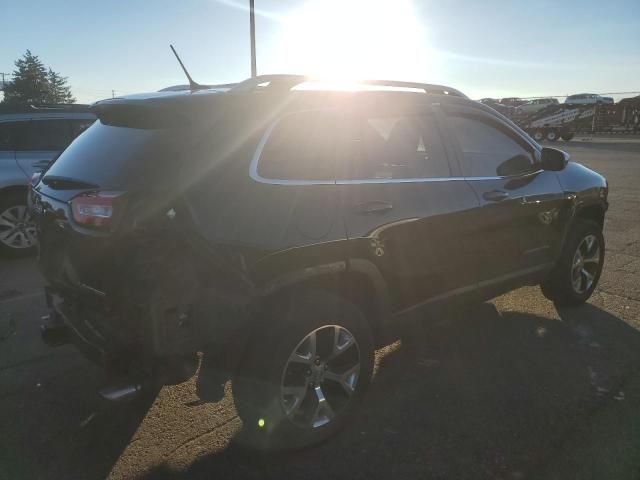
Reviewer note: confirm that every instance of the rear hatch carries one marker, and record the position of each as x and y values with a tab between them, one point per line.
134	151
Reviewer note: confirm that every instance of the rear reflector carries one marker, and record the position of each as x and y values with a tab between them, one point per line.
94	210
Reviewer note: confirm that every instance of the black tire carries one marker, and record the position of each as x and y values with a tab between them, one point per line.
257	386
538	135
567	136
9	204
559	286
552	135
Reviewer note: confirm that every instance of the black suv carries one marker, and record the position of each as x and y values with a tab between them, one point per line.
289	227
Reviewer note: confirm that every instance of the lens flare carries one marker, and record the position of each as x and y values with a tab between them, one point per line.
355	39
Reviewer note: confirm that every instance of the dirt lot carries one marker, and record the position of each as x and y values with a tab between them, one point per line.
512	389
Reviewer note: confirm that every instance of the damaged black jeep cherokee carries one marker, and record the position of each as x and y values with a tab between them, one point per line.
289	226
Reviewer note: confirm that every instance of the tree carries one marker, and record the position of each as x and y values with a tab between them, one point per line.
59	91
33	84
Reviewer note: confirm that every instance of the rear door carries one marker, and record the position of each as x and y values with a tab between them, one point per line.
404	206
521	205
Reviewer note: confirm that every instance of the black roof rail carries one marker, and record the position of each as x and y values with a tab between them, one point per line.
43	108
283	82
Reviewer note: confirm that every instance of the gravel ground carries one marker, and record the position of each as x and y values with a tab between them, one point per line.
509	389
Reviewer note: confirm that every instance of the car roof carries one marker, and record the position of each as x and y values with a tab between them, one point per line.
274	84
4	117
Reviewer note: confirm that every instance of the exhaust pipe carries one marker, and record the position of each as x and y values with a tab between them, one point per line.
120	393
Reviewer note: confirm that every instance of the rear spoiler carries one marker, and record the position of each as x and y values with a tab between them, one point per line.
138	115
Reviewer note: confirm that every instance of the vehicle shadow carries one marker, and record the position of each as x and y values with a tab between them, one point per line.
482	394
54	424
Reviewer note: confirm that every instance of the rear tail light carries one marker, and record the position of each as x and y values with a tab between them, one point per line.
95	210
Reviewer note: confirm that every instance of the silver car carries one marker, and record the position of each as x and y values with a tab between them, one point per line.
586	99
30	138
536	105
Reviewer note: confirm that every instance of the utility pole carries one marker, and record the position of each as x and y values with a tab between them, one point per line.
113	94
3	84
252	33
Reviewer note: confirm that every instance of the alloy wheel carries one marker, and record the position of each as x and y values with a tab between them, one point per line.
586	262
17	229
320	376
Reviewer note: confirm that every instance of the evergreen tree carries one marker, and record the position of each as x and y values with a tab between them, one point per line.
33	84
59	91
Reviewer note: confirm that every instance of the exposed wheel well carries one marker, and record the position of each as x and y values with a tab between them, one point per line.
592	212
13	189
353	286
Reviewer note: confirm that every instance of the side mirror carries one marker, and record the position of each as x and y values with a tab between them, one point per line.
553	159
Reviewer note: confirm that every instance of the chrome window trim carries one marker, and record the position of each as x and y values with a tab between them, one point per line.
253	170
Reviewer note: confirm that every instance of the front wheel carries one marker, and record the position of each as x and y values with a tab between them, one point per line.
576	275
552	135
305	372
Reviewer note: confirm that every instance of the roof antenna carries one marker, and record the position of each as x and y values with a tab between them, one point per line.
193	85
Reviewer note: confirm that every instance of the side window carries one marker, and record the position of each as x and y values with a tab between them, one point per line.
487	151
47	135
11	134
392	147
302	146
78	126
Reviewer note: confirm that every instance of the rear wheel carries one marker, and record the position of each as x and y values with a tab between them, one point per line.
305	373
538	135
576	275
552	135
17	230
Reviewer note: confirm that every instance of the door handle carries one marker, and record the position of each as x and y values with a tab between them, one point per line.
495	195
375	207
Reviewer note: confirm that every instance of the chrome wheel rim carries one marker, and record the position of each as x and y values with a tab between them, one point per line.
538	136
320	376
551	136
586	262
17	229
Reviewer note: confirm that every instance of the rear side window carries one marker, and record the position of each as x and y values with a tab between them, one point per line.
10	134
302	146
50	135
392	147
489	151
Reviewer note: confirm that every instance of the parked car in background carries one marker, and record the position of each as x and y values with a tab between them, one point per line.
587	98
291	227
497	106
536	105
512	101
30	138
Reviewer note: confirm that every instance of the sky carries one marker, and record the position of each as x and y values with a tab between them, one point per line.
490	48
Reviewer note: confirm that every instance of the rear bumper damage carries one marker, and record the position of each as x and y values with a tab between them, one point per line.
63	325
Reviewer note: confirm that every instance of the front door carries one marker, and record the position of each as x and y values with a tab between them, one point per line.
521	205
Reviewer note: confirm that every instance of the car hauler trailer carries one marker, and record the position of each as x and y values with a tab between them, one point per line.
564	121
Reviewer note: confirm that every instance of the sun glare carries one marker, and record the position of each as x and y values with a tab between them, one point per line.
355	39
